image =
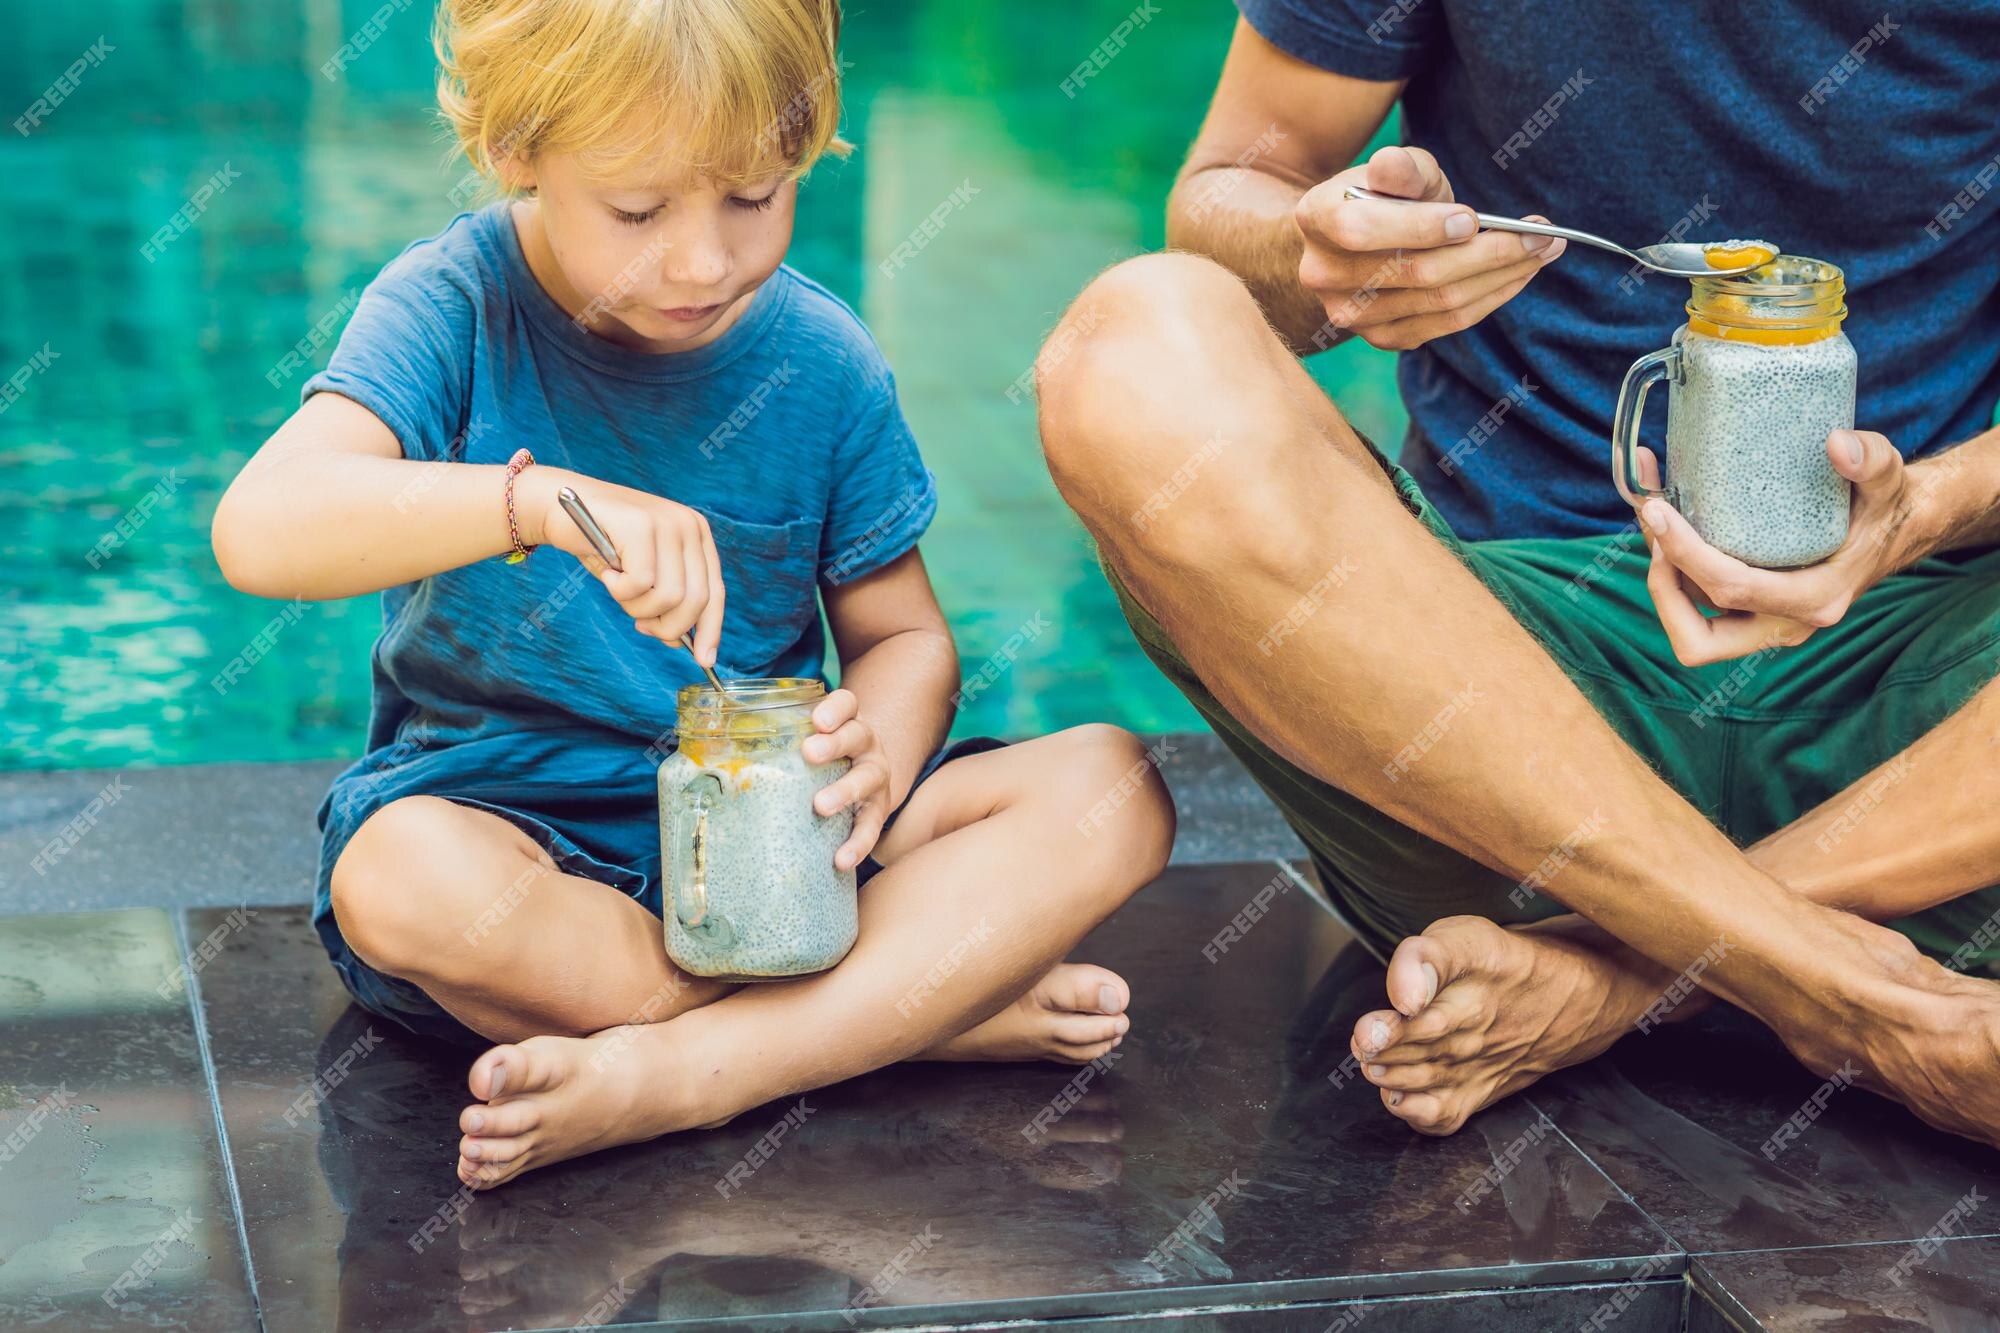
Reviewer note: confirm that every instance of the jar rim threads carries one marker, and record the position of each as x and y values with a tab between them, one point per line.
757	706
1795	299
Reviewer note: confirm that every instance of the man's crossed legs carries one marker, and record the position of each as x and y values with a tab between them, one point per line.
1424	740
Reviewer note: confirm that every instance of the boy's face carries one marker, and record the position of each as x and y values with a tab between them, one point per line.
663	265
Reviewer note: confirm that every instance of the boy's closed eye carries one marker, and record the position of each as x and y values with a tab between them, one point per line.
748	200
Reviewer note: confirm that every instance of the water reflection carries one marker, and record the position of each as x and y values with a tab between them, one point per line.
165	353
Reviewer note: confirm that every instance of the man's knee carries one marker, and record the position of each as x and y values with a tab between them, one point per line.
1169	424
416	876
1120	379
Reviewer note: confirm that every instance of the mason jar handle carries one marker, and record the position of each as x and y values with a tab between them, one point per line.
690	878
1647	371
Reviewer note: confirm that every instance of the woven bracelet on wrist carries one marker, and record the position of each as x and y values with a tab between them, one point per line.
519	463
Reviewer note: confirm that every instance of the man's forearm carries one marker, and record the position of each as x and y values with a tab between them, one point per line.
1918	830
904	687
1242	218
1953	499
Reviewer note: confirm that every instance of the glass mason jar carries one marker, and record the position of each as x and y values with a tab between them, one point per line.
752	893
1756	379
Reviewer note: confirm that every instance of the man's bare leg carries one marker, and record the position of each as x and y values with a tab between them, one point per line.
1482	1011
1171	384
991	878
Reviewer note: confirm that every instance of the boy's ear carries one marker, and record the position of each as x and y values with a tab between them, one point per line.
516	172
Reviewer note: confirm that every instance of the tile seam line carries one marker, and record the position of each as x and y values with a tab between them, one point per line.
1686	1255
199	1013
1839	1245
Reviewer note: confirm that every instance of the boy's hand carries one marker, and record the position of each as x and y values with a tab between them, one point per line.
1773	608
865	786
672	580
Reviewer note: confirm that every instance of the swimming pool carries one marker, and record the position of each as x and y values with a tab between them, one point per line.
156	362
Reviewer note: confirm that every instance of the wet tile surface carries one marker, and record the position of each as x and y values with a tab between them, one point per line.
1945	1286
1682	1119
114	1210
1213	1163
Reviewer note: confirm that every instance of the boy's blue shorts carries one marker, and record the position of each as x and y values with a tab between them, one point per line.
600	821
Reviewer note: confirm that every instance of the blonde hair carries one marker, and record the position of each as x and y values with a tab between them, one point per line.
734	90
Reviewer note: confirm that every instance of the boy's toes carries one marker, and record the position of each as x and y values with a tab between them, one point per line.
507	1071
1087	1029
481	1174
515	1116
1084	1054
1083	988
490	1151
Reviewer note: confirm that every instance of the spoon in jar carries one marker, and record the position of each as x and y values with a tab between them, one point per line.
1679	259
572	504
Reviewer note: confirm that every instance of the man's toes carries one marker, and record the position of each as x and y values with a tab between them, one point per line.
1375	1033
516	1115
1083	988
1416	973
1424	1112
1405	1078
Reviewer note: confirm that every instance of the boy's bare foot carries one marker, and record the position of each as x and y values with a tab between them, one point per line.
550	1098
547	1099
1074	1014
1482	1011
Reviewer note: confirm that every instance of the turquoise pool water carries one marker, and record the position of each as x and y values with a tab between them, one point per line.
144	376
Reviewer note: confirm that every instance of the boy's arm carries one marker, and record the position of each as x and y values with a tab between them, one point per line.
897	657
330	507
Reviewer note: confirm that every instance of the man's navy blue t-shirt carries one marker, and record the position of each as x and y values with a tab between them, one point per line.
1864	138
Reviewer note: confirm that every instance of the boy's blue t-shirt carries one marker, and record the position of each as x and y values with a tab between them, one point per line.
785	432
1863	136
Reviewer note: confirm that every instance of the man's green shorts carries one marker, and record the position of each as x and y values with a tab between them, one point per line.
1753	744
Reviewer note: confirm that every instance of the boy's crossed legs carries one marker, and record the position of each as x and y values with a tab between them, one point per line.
990	877
1330	633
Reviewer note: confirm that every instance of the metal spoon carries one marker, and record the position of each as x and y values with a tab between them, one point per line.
1680	259
572	504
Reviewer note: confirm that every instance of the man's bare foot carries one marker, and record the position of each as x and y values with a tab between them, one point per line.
1073	1015
550	1098
1482	1011
1910	1029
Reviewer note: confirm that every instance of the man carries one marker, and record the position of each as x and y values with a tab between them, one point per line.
1484	691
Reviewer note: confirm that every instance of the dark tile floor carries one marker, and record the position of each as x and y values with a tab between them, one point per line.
1219	1172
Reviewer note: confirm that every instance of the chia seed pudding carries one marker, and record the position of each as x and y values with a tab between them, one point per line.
752	893
1746	446
1757	379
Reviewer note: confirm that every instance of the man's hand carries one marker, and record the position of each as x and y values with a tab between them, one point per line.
1399	275
1767	608
865	786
